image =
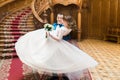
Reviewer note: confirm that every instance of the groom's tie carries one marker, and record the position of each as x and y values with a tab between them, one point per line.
55	25
60	25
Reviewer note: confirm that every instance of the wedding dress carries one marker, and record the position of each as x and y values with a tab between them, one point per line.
49	55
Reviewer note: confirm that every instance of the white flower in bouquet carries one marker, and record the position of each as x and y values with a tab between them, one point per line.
48	27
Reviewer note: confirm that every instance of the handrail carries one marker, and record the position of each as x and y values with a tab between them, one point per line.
35	13
44	7
11	12
4	2
41	9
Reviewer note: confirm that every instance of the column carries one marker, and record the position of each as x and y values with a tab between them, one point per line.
52	17
79	25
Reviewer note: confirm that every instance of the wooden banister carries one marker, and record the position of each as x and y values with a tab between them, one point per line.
4	2
40	9
34	11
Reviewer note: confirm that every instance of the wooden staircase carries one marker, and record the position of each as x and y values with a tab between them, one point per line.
11	28
17	24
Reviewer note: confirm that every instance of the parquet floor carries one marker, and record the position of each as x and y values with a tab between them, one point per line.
108	56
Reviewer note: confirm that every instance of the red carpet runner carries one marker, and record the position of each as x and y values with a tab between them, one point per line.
16	65
15	70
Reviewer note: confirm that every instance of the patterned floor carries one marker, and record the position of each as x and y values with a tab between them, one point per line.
108	56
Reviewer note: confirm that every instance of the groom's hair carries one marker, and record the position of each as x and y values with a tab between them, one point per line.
60	15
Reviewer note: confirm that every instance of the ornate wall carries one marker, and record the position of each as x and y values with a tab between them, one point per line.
12	6
98	15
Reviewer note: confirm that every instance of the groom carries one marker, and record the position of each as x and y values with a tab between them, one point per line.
60	24
67	37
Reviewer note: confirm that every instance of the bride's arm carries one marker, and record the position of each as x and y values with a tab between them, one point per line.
57	36
60	34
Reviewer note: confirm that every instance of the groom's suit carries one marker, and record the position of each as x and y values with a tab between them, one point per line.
67	37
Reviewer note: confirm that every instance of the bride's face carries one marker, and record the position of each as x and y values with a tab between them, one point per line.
65	23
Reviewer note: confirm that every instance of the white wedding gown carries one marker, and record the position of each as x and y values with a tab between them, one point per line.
48	55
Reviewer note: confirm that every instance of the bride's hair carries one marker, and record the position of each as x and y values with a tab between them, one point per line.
71	22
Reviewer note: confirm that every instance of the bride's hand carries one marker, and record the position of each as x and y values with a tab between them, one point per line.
54	37
47	33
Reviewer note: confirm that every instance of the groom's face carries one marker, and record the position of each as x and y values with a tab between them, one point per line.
60	19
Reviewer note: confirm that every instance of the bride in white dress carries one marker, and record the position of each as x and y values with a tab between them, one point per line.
52	54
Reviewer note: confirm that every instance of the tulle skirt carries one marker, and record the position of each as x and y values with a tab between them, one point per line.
48	55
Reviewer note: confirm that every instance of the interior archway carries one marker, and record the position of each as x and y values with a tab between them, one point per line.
72	10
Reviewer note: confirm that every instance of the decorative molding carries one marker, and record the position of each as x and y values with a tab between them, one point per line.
34	11
66	2
4	2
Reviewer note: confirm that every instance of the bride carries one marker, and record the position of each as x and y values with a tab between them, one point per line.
52	54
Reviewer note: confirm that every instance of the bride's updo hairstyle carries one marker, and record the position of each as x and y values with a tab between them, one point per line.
71	22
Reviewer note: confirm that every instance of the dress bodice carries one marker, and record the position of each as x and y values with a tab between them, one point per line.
60	32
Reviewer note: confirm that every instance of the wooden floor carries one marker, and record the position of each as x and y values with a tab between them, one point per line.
108	56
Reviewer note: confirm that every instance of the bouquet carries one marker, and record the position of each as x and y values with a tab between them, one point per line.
48	27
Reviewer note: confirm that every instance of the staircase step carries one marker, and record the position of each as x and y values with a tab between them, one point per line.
1	44
13	33
20	27
8	41
8	34
10	20
6	46
7	50
9	37
21	17
20	31
8	57
16	23
2	25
